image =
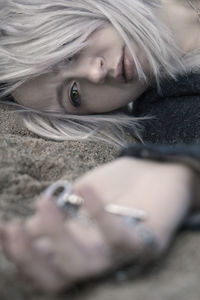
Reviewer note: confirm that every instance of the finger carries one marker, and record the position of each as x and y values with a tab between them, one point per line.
43	202
81	256
52	235
74	252
49	219
70	253
18	248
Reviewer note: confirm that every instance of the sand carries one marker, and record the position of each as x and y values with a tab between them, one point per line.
28	164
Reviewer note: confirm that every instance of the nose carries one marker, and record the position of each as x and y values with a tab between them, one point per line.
96	72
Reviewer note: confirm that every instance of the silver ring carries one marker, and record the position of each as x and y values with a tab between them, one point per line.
65	199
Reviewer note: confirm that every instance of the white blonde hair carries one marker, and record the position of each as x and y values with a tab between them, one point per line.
36	35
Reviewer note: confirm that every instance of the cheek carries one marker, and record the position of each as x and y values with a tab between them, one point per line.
107	98
106	102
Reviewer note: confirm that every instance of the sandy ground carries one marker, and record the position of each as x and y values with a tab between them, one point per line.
27	165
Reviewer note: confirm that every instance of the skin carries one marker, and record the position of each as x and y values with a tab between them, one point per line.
94	70
51	248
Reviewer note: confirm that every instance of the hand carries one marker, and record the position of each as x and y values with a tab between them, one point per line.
164	190
58	252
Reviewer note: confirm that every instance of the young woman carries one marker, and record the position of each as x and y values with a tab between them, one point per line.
68	62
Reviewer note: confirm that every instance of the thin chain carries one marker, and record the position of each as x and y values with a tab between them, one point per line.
197	10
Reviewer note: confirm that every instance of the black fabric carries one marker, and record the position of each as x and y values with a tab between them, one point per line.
186	154
174	132
175	111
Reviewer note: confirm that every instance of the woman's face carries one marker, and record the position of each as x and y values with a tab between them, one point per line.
101	78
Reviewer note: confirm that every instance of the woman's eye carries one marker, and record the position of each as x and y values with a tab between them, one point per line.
75	96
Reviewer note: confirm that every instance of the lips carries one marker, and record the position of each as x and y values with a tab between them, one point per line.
125	68
128	65
120	69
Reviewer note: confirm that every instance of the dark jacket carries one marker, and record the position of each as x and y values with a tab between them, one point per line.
175	111
173	134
